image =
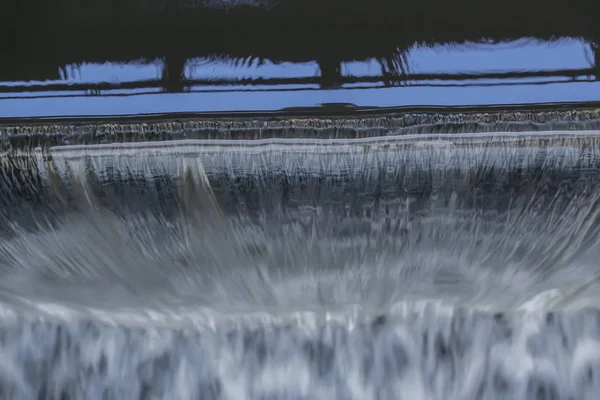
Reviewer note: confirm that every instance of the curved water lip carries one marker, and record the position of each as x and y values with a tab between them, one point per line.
427	265
376	223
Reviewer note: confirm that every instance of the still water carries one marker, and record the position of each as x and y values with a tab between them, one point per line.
93	57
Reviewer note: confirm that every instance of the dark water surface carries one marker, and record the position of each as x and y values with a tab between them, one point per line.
95	57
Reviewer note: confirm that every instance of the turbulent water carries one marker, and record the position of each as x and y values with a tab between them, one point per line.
403	267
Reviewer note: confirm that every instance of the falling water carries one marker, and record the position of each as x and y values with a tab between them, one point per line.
423	266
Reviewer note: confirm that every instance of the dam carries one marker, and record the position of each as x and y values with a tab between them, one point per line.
210	200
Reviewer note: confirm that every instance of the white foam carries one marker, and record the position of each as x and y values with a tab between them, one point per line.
336	156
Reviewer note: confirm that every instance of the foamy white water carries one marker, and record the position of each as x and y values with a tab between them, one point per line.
420	267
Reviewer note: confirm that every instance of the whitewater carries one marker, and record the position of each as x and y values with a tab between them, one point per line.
414	266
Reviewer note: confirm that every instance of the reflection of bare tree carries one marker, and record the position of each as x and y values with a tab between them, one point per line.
69	72
234	62
331	72
596	50
246	62
173	74
330	32
395	71
394	66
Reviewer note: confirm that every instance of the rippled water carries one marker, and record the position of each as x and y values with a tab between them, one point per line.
455	266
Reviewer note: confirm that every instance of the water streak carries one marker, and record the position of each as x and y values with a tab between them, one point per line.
425	267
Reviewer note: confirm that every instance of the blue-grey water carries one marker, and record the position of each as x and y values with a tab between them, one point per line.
345	200
429	266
